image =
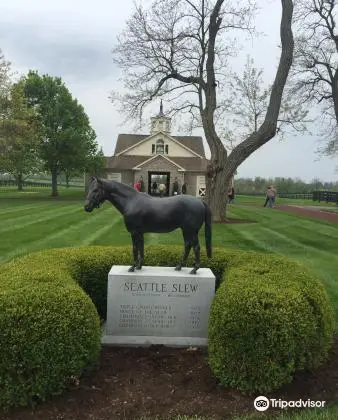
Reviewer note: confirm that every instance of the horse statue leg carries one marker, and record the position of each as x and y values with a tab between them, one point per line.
197	251
134	237
141	251
186	252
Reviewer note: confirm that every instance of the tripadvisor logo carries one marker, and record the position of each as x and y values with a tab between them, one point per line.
262	403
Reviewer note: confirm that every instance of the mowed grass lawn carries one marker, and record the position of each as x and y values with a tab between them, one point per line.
31	221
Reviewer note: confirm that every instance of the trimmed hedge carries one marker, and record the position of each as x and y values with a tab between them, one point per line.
269	318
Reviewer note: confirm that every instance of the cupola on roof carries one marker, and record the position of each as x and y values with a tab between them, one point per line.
160	122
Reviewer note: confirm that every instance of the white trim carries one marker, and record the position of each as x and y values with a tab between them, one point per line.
200	185
139	166
165	135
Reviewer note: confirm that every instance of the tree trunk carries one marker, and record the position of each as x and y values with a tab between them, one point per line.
222	168
335	94
19	180
54	182
217	184
67	180
218	201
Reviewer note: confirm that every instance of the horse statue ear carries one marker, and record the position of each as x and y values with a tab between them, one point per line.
98	180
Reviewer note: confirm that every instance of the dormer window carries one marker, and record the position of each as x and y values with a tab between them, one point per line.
160	147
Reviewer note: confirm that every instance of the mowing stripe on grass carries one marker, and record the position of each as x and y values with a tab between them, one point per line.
244	237
49	240
286	220
319	228
258	242
99	232
31	219
21	208
299	248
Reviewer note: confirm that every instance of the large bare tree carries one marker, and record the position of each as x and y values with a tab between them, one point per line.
248	97
180	49
315	69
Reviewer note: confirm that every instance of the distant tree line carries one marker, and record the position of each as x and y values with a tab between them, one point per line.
43	128
259	185
43	178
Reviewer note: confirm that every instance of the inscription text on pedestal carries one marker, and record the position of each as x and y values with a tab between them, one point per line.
159	302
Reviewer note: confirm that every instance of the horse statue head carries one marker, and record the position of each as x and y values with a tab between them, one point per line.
96	195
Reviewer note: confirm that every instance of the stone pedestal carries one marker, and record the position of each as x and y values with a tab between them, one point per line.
158	305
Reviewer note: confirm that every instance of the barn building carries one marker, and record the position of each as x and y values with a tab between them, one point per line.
159	158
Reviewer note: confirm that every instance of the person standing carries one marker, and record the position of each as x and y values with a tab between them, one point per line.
273	196
137	186
175	187
231	195
270	199
154	186
142	187
184	188
161	189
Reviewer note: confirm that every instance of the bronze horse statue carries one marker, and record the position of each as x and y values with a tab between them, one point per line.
146	214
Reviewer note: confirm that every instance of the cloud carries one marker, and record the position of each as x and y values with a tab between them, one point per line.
75	56
73	39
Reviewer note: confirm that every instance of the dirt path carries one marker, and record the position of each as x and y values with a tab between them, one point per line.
310	212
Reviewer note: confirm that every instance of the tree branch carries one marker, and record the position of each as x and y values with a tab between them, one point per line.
268	128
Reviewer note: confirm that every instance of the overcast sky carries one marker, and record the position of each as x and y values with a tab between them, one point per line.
73	39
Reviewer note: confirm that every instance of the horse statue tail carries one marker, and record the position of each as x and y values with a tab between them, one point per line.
207	227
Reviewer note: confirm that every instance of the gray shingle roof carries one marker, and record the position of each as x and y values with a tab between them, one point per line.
129	162
124	141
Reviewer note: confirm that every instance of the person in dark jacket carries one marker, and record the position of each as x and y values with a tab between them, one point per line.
231	195
175	187
142	187
154	187
184	188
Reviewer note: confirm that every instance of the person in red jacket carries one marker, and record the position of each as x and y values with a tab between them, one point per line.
137	186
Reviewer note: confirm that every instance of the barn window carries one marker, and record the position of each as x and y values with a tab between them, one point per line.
160	147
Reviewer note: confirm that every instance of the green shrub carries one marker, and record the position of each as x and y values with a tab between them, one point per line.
49	326
270	318
263	325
